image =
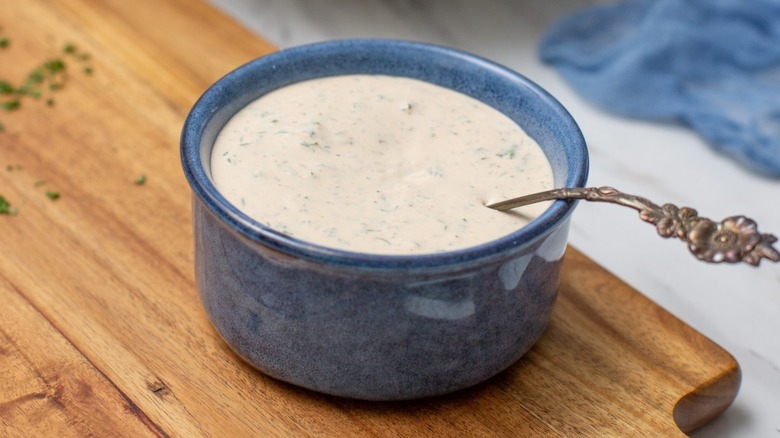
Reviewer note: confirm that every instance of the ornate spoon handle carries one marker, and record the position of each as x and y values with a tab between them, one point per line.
732	240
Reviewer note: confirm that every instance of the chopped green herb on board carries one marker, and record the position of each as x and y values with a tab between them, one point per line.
82	57
141	180
47	78
10	105
5	207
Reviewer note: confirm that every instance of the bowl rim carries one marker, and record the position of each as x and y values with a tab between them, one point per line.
202	187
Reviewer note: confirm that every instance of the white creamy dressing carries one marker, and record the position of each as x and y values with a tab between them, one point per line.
378	164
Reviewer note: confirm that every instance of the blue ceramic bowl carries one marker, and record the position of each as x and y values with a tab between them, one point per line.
378	327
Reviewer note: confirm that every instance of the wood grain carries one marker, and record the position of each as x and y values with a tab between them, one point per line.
102	330
49	388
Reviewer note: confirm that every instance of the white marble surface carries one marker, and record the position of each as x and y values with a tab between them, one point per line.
736	306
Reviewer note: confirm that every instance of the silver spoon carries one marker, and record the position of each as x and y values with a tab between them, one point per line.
732	240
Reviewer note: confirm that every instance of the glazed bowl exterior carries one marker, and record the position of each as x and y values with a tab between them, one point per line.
368	326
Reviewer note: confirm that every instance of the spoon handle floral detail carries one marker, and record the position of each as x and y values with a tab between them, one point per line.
732	240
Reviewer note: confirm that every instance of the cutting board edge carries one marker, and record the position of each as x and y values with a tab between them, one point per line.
705	402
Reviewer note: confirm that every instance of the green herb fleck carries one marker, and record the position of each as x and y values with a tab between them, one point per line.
509	153
141	180
50	76
52	195
54	65
73	51
10	105
6	88
4	42
5	207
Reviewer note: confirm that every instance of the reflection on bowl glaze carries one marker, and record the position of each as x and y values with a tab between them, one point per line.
378	327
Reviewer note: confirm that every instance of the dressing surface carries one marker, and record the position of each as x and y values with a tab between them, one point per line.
378	164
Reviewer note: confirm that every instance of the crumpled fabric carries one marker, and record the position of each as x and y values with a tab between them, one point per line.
713	65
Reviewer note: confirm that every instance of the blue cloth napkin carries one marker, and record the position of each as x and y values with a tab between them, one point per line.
713	65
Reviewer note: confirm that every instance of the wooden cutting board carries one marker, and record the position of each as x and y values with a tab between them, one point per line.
101	330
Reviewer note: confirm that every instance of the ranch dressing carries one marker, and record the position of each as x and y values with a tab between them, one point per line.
378	164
